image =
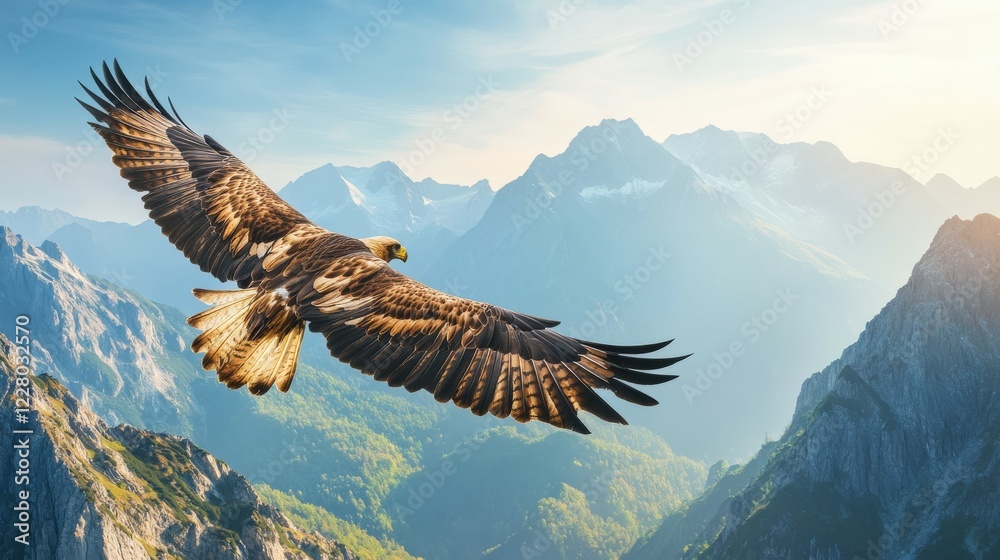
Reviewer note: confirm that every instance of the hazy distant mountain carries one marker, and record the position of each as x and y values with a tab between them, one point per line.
991	185
965	202
623	242
363	201
457	207
36	224
96	491
878	219
893	449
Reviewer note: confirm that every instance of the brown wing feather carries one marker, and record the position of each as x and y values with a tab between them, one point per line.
477	355
206	201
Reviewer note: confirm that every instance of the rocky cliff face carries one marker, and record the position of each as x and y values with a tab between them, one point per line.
96	491
893	449
122	355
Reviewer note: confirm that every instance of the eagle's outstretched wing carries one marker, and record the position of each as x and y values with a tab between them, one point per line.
479	356
206	201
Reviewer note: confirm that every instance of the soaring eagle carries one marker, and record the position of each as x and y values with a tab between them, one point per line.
292	272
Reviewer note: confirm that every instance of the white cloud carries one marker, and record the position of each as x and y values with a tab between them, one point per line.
888	97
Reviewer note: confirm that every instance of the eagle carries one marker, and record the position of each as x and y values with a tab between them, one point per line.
292	273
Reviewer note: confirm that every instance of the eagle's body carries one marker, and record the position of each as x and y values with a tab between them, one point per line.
292	272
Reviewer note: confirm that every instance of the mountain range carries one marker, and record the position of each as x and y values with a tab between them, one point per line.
855	210
763	259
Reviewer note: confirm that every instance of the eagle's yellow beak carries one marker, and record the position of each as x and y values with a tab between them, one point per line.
401	253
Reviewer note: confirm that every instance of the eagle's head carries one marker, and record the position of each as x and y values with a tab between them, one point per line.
385	248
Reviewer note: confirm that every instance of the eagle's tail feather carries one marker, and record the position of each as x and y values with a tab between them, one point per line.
250	337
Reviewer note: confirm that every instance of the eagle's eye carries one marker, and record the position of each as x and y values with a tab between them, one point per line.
395	247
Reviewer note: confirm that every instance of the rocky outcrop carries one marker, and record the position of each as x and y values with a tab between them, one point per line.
122	355
893	450
96	491
701	516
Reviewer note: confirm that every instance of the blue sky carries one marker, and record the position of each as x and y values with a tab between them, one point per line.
461	91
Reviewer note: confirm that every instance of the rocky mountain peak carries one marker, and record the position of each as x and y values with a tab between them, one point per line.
54	251
950	305
388	175
893	449
622	134
14	242
978	234
962	253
